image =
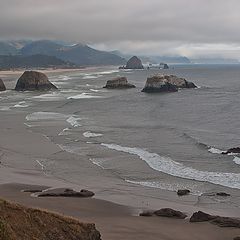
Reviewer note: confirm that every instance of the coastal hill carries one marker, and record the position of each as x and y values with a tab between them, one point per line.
33	61
79	54
18	222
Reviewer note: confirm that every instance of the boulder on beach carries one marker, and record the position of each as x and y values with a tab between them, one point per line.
182	192
232	150
217	220
201	217
166	83
157	84
119	83
168	212
32	81
2	86
134	63
65	192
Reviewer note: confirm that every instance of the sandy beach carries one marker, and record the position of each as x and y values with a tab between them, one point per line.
116	204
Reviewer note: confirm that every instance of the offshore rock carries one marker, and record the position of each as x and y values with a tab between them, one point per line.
134	63
34	81
2	86
119	83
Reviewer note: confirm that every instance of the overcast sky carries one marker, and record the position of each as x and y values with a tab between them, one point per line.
192	28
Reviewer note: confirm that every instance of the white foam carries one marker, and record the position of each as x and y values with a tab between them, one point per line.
4	108
108	72
83	96
95	90
237	160
64	132
64	78
74	121
21	105
168	166
89	77
215	150
89	134
36	116
49	96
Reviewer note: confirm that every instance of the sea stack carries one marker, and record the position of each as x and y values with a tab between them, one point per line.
158	84
119	83
166	83
134	63
2	86
34	81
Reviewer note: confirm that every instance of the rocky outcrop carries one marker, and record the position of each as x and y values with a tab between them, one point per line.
164	212
217	220
168	212
179	82
223	194
201	217
166	83
119	83
163	66
2	86
134	63
66	192
32	81
237	238
157	84
232	150
18	222
182	192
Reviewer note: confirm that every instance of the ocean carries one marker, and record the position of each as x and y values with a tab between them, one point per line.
164	141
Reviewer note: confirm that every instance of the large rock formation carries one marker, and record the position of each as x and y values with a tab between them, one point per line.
2	86
166	83
134	63
158	84
32	80
119	82
18	222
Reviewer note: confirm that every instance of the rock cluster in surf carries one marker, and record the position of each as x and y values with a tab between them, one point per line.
166	83
119	82
32	81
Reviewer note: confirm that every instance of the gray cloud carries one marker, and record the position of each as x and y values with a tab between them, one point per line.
186	27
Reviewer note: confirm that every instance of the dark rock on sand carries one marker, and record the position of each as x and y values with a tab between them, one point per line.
237	238
157	84
201	217
2	86
119	83
183	192
171	213
32	80
66	192
232	150
147	214
226	222
217	220
223	194
134	63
